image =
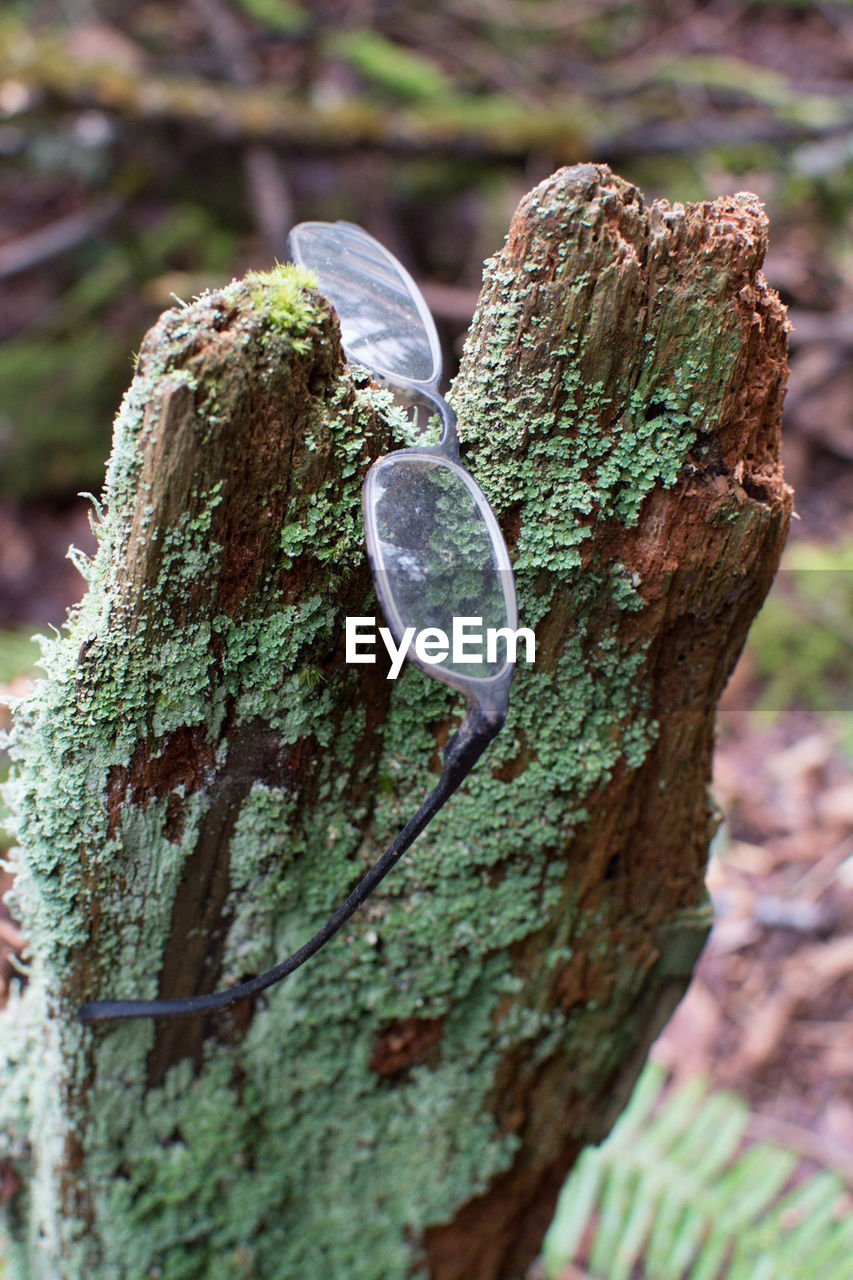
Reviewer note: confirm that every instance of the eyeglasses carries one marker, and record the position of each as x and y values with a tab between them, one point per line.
435	550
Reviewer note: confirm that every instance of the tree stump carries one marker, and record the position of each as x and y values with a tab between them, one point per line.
202	778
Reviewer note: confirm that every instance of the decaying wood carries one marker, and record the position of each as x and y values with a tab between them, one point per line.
703	553
409	1103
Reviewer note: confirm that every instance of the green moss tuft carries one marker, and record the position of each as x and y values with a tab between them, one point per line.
281	294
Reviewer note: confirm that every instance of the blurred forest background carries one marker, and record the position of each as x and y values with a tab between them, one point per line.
151	149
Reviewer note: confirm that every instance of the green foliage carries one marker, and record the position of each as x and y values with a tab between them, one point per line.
18	656
18	653
729	75
59	394
673	1191
802	640
60	385
389	66
284	16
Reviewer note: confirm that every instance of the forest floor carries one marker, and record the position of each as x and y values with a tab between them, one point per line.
768	1011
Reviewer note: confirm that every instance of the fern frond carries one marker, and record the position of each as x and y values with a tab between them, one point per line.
672	1192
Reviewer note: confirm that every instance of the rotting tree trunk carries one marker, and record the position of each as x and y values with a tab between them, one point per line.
202	777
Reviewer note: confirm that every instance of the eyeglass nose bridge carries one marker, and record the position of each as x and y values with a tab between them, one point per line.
426	395
449	442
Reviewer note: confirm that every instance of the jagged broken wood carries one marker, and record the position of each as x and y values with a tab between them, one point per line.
201	778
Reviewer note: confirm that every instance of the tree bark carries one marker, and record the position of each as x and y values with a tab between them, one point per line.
202	778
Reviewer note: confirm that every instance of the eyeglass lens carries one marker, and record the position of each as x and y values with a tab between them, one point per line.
380	322
436	559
